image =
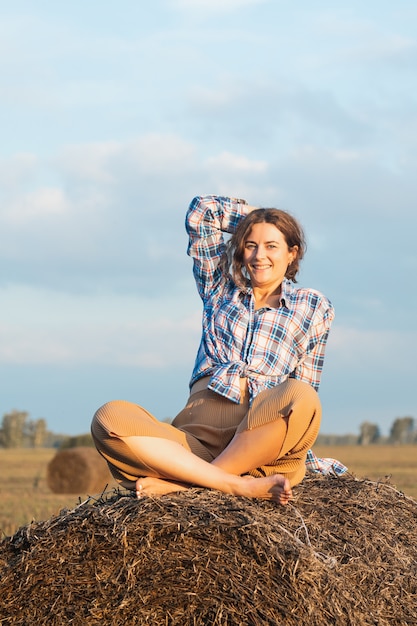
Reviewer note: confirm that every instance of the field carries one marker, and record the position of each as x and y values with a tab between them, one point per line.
397	463
25	495
24	492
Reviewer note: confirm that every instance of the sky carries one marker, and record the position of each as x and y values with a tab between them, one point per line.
116	114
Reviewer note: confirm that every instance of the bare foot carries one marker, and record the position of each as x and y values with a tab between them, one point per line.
157	486
275	487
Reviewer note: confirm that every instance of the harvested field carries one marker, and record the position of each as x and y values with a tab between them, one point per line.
344	552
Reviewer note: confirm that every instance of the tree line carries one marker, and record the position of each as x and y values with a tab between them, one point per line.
18	431
403	431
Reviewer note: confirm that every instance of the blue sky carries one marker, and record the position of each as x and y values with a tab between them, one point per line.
114	115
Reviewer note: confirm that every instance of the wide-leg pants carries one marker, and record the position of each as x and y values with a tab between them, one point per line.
206	426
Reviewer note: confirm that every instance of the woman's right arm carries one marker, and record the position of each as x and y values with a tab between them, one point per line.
207	219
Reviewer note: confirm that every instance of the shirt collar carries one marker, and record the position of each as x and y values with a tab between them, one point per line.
287	291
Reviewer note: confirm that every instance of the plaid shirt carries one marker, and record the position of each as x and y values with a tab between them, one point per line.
324	466
267	345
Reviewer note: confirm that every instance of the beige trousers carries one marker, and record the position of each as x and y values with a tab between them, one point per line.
206	426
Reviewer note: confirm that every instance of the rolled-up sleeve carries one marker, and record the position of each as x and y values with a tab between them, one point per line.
207	219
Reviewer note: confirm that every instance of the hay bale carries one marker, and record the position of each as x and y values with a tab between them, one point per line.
78	470
344	553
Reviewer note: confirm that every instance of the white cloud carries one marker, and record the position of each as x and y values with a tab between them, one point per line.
48	327
312	153
115	215
349	182
394	48
89	162
18	169
41	203
107	163
384	351
359	37
117	211
232	174
159	154
236	163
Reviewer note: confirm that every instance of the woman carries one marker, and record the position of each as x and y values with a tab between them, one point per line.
253	411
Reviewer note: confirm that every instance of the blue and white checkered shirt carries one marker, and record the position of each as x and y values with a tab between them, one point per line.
266	345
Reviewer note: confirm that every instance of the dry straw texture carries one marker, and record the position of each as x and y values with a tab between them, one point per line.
343	553
78	470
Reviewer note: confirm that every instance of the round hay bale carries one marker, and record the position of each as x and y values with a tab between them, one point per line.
78	470
344	552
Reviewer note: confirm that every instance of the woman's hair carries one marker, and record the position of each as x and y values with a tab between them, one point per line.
286	223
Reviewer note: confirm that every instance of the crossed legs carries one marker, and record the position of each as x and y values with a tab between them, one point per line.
180	468
276	424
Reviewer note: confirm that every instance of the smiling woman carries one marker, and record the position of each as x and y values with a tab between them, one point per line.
269	244
253	412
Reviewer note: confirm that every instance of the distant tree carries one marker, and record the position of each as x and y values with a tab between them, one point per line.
13	428
37	433
402	430
369	433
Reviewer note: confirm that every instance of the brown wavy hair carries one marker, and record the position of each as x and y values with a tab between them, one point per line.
284	221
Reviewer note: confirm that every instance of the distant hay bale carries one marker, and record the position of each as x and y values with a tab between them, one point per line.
344	552
78	470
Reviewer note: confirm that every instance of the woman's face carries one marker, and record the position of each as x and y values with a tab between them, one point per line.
266	256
